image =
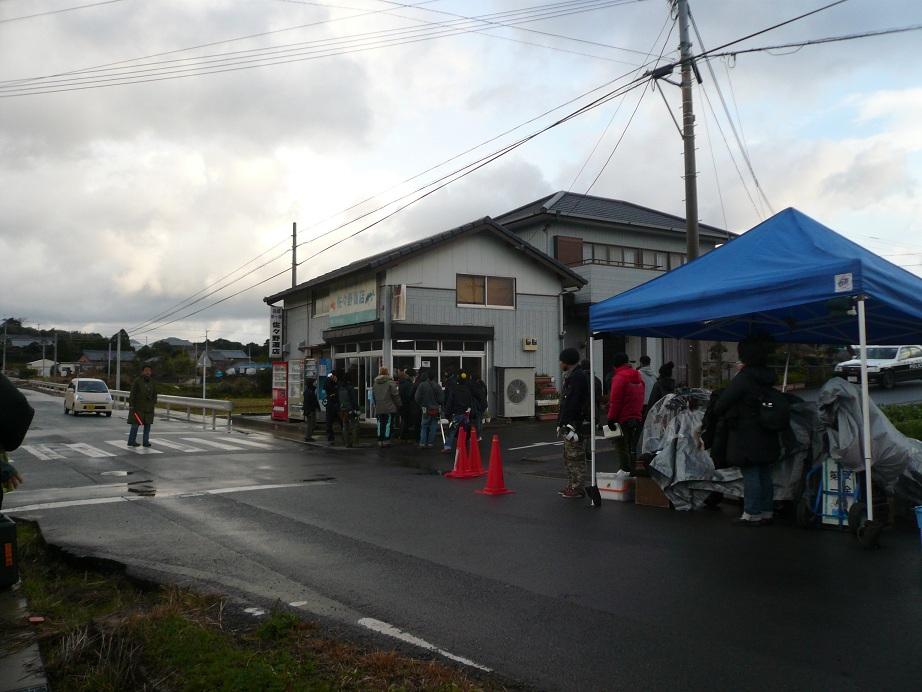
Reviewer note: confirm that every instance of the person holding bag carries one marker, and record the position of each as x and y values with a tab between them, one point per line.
625	410
387	403
429	398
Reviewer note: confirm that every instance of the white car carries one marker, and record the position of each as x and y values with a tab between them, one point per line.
87	395
887	365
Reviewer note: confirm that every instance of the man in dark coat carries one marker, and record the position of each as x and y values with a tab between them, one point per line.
749	445
574	410
311	405
331	402
459	405
15	418
141	403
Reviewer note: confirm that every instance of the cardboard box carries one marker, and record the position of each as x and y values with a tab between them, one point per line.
648	493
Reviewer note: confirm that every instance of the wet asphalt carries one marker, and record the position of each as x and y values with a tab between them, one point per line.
540	589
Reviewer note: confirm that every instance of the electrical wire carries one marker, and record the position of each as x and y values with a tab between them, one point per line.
742	146
643	92
720	194
279	49
59	11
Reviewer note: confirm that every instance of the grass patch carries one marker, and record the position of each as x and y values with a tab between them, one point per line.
907	418
252	404
104	632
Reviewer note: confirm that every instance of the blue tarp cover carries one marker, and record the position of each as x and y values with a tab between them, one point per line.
777	278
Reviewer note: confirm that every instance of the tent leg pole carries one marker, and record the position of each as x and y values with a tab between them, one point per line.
787	365
865	406
592	412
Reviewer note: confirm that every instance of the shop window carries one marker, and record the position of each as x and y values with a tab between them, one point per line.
365	347
320	300
474	346
427	345
402	345
348	348
452	346
471	289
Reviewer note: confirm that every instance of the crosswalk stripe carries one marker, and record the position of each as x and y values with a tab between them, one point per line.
121	444
216	445
43	452
89	450
251	443
177	445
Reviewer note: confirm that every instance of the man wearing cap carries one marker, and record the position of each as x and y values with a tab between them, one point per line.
574	409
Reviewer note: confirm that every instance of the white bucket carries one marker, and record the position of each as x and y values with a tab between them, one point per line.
616	486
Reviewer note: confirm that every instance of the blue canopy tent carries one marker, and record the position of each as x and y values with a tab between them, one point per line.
790	277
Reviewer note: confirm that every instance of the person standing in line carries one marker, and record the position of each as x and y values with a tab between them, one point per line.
750	446
387	403
141	404
479	392
649	379
574	407
665	384
625	409
429	397
331	403
311	405
405	389
459	404
348	411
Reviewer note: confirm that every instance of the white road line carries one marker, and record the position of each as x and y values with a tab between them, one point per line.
247	488
391	631
88	450
251	443
216	445
43	452
70	503
535	444
177	445
121	444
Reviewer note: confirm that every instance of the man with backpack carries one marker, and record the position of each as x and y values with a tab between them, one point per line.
755	414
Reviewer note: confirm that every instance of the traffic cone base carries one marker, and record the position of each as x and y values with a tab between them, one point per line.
462	467
496	485
474	459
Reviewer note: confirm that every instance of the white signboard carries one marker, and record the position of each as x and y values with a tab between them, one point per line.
354	304
845	283
275	332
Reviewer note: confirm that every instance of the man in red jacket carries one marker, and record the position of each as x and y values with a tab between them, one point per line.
625	408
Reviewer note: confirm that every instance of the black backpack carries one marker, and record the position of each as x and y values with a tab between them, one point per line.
774	410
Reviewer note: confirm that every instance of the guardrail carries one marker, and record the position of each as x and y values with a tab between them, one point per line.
165	402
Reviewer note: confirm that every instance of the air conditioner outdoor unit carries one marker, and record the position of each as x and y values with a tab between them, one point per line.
515	392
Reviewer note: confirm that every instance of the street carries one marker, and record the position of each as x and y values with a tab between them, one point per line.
536	588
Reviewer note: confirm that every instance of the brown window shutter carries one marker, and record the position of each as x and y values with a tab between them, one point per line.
568	250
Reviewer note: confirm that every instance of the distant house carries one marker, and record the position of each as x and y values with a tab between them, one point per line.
222	360
174	342
99	360
42	368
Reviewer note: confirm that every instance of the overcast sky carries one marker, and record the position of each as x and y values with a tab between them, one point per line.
118	203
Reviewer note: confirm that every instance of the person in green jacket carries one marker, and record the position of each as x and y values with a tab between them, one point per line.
141	404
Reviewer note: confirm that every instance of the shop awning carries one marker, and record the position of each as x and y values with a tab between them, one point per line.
786	277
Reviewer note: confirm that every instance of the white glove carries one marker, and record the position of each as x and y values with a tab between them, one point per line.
570	434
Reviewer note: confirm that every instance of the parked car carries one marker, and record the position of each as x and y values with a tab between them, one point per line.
887	365
87	395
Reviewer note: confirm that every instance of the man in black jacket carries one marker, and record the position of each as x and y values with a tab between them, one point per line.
331	402
459	405
574	409
15	419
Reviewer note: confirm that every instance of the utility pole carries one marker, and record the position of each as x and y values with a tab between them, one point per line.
54	368
691	175
41	335
118	360
294	254
204	365
3	369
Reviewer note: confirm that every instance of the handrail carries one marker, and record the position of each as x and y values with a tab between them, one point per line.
164	401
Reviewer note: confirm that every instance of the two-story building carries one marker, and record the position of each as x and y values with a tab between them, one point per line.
615	246
476	297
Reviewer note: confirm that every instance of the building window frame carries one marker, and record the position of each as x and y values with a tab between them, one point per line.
486	304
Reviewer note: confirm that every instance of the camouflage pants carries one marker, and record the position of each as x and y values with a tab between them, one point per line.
350	425
574	458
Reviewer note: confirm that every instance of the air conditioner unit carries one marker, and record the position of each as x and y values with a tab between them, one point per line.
515	392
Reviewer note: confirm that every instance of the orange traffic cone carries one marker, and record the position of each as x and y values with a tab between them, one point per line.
462	464
474	459
496	485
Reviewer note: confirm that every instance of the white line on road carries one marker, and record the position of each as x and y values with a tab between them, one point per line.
88	450
43	452
247	488
178	446
389	630
216	445
134	450
535	444
251	443
71	503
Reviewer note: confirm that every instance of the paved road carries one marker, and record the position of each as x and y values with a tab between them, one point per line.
541	589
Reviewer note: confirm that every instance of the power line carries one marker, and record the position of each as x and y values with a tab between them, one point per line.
133	63
720	194
819	41
60	11
434	187
643	92
739	142
228	65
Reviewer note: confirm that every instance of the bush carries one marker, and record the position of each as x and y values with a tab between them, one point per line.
910	428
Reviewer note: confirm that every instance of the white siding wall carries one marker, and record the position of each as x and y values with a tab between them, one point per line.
474	254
